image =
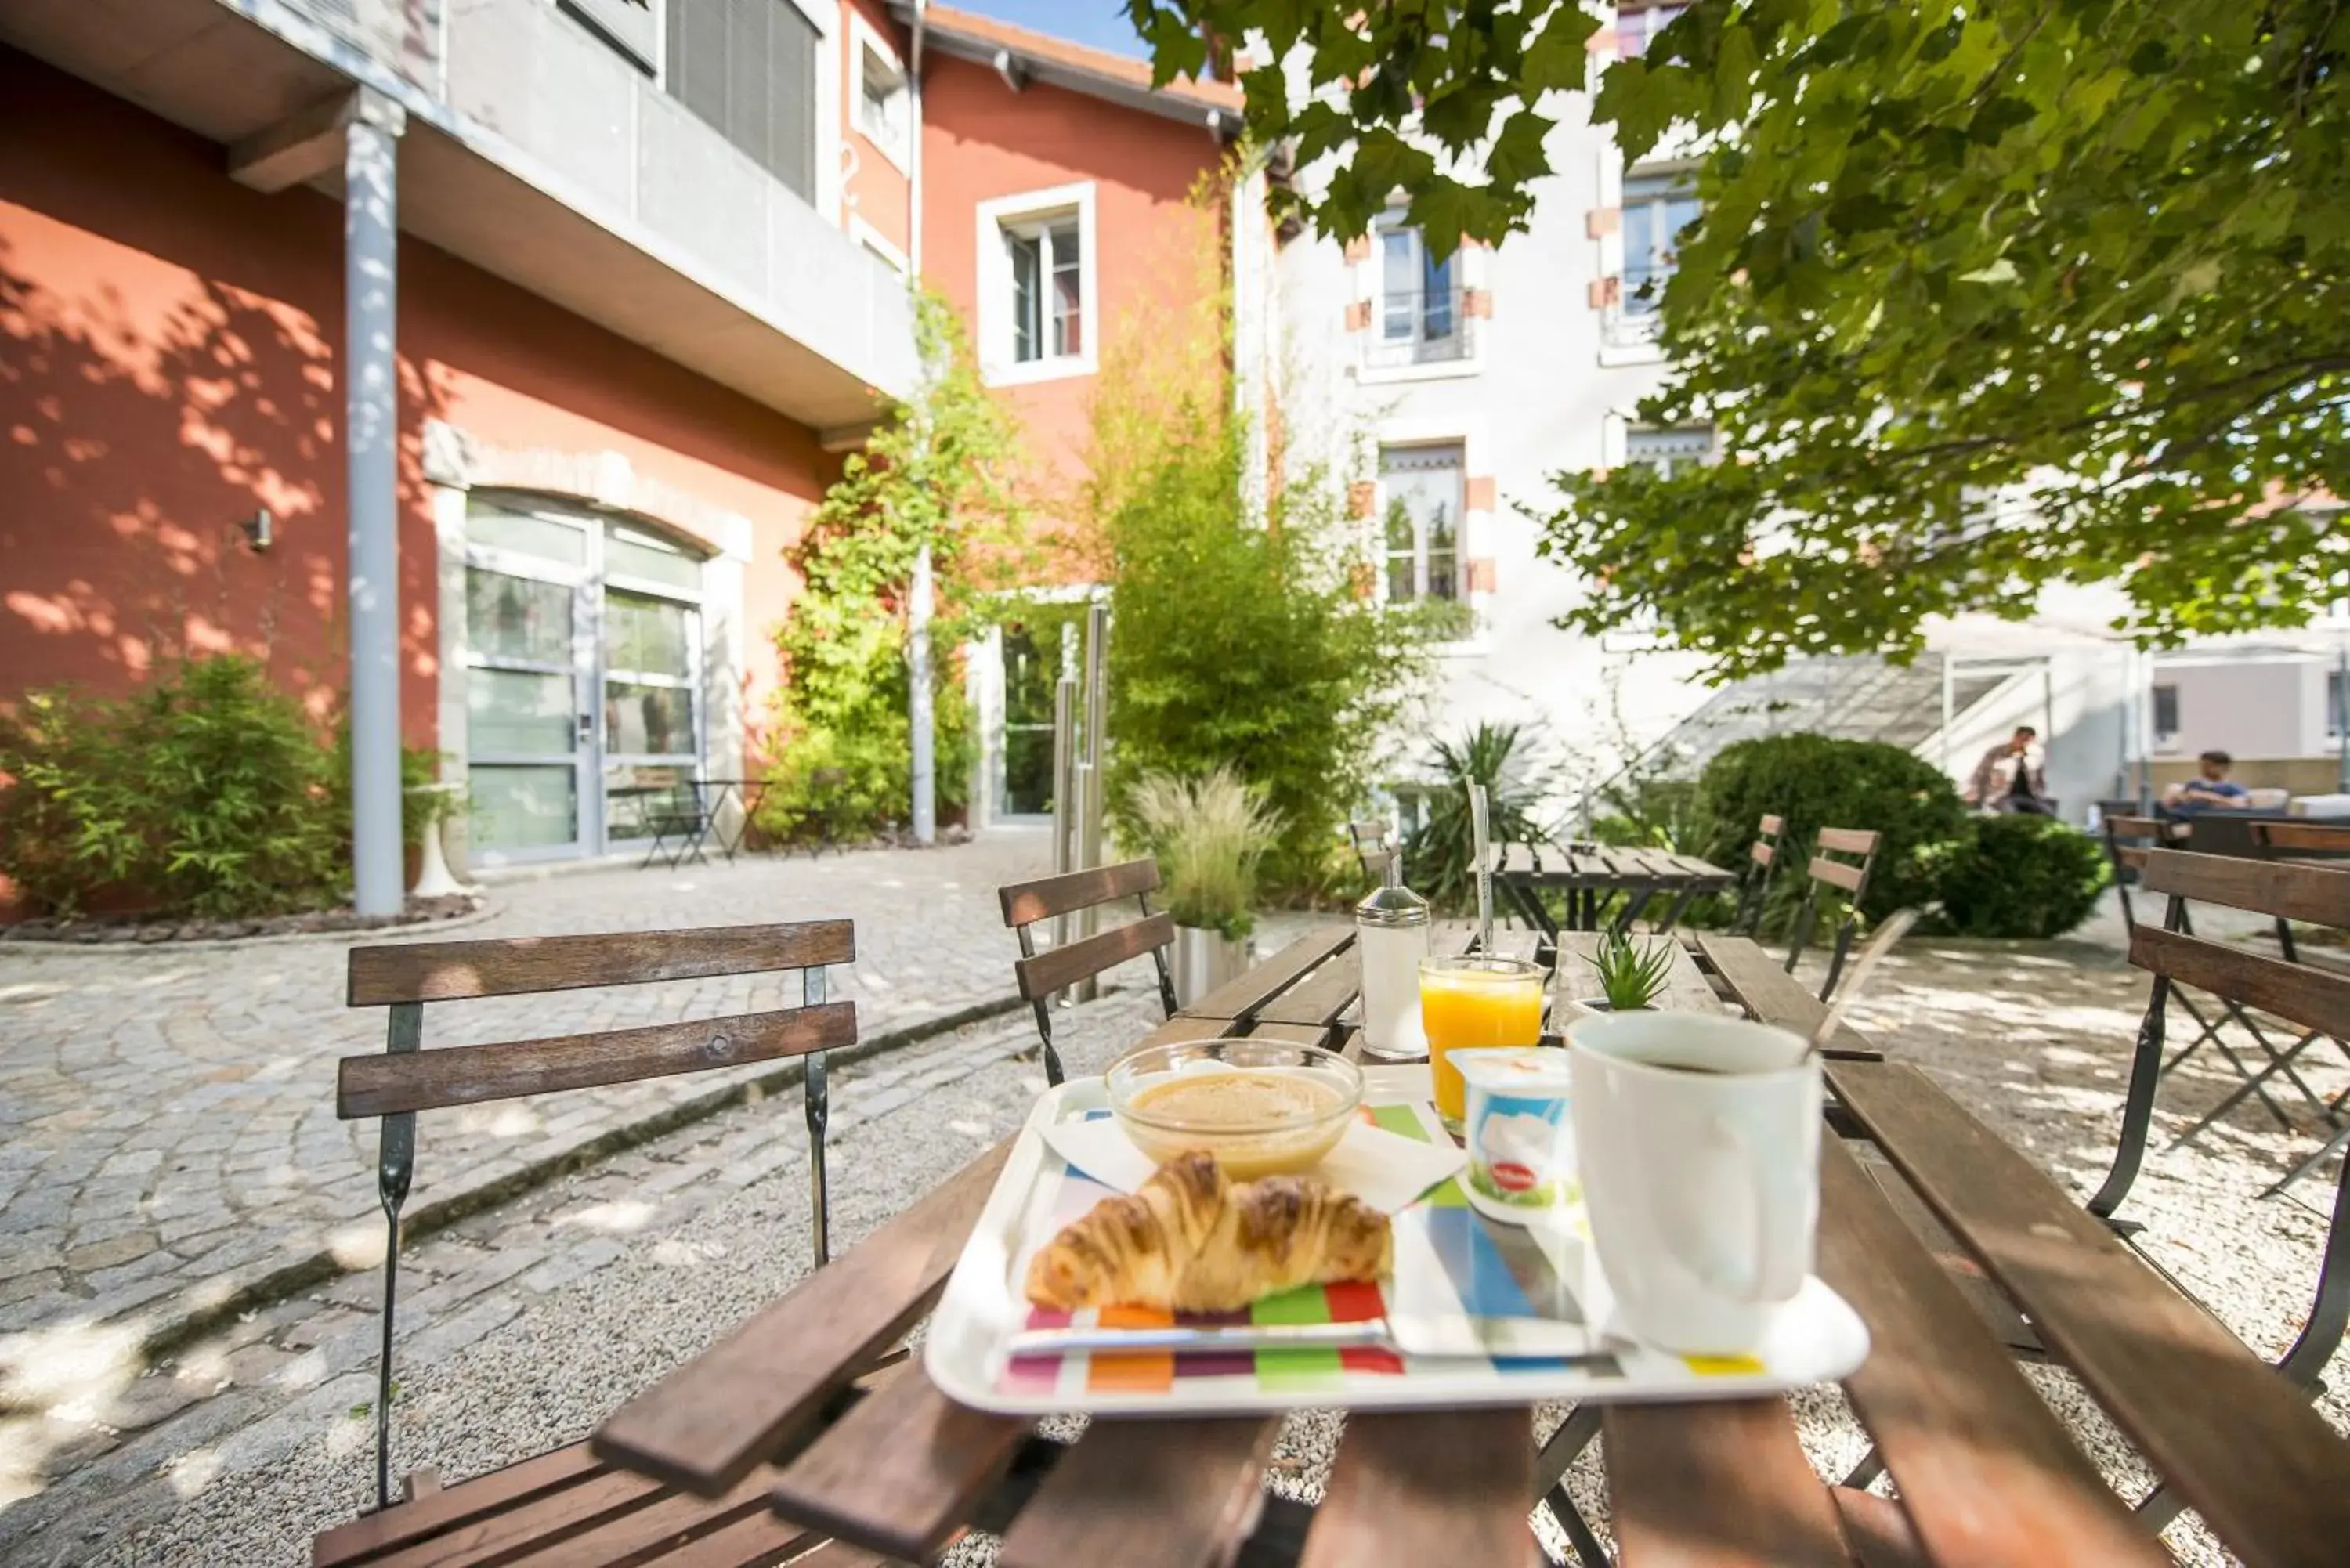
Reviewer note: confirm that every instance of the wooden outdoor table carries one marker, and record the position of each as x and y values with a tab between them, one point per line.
1985	1472
1591	875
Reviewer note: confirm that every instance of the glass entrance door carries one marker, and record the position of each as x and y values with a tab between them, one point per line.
583	680
1031	671
525	700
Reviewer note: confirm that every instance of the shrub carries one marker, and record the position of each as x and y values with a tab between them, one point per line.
1208	835
1439	859
209	792
1814	781
1242	643
2015	875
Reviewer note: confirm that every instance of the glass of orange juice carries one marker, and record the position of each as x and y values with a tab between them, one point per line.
1468	1003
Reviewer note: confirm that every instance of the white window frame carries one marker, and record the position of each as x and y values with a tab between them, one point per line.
1026	210
873	240
1669	447
1369	286
866	49
1652	19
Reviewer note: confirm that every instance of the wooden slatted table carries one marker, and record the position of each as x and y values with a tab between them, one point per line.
1592	875
1986	1474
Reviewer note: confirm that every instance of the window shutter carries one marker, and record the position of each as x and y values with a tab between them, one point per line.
748	67
1358	316
1477	303
1601	221
1478	496
1603	292
1359	249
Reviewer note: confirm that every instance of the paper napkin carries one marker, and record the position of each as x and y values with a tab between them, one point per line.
1383	1169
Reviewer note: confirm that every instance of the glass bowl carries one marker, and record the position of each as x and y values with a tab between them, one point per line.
1260	1107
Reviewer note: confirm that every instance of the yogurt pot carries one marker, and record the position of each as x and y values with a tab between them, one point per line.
1520	1135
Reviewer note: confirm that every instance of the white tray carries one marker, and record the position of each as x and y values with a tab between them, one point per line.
1495	1283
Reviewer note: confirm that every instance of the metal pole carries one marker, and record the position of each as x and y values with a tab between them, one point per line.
1950	706
918	719
2342	716
1089	800
371	448
1065	787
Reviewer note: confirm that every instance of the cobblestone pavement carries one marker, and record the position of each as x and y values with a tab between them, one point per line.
168	1139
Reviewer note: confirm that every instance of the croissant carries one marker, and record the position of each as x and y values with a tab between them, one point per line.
1190	1240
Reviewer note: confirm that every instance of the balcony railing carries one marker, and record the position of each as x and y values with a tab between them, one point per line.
1420	326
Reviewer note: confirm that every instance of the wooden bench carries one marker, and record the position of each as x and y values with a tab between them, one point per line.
567	1495
1851	876
1042	975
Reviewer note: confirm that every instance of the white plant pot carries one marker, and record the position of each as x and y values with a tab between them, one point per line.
1205	960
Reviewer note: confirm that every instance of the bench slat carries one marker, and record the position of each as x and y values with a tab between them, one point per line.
2311	997
643	1534
1955	1420
384	1084
1240	997
1320	998
760	1539
902	1471
1025	903
2239	1443
2293	889
500	1537
1056	969
1848	840
1724	1482
369	1536
1176	1493
1775	825
1848	878
2304	837
511	966
1436	1486
704	1426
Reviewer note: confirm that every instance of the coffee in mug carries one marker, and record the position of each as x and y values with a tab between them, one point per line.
1699	1138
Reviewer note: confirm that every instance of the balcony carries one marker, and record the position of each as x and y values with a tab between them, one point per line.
1420	326
537	152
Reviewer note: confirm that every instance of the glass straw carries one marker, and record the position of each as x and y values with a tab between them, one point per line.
1480	831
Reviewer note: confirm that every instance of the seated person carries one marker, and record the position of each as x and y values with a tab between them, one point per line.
2212	791
2010	778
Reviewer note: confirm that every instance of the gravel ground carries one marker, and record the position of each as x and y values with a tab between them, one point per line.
2065	1014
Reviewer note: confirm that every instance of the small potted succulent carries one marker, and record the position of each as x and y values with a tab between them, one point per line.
1208	834
1631	974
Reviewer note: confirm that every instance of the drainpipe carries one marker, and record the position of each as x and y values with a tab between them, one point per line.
920	721
370	441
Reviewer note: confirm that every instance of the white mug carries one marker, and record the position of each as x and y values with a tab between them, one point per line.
1699	1142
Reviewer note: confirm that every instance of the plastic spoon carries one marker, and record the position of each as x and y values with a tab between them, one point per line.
1896	925
1481	834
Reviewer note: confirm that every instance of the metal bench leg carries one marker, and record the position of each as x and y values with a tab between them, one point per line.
395	1168
1158	958
1835	958
2137	1109
2330	1314
1551	1464
816	1094
1800	936
1044	1011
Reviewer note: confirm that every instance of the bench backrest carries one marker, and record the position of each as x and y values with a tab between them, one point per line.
1851	876
1372	848
407	975
2290	839
1040	975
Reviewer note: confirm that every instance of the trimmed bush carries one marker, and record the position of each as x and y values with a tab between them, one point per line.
2016	877
1814	781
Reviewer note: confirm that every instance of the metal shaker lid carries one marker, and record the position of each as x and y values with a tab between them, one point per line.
1393	904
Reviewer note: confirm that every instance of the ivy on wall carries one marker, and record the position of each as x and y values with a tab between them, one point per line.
939	473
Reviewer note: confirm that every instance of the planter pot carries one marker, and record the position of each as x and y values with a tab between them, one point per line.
1205	960
1590	1007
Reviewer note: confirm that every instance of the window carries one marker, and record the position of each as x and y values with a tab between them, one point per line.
1420	535
884	103
1048	298
2165	714
1037	286
1636	25
1669	450
1657	208
748	68
1420	315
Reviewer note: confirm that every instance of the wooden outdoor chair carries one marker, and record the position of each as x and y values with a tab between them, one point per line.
406	1079
2311	998
1852	877
1373	848
2127	838
1754	880
1042	975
